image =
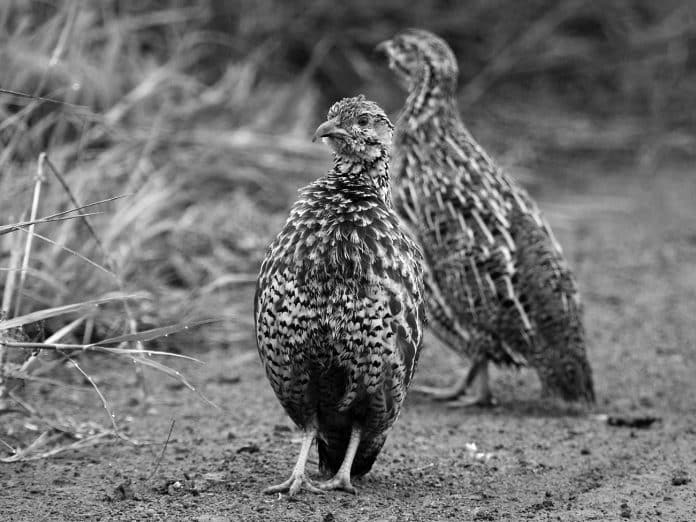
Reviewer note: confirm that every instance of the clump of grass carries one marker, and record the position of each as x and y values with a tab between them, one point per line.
115	119
203	162
18	369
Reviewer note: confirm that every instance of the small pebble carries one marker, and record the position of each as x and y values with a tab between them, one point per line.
680	478
625	510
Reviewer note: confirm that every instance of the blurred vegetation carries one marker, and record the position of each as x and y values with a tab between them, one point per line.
201	112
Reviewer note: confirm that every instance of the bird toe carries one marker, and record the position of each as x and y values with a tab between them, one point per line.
293	485
339	483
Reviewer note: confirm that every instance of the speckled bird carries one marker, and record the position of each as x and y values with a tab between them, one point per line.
497	285
339	305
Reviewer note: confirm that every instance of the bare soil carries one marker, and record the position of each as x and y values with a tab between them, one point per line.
632	241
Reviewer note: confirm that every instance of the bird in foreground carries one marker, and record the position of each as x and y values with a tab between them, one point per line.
498	288
339	305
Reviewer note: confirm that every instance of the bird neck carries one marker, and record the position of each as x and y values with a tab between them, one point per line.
351	173
430	94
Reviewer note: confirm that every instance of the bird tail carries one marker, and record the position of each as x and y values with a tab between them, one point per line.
560	356
565	370
332	449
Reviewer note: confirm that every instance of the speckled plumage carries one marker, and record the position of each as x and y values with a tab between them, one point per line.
339	300
499	288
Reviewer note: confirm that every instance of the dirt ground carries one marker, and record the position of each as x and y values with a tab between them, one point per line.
630	237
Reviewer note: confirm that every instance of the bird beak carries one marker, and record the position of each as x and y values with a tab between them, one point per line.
384	47
330	128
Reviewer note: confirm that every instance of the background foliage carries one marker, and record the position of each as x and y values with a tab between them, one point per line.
201	113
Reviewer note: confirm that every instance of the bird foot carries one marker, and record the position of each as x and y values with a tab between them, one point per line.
341	482
480	401
293	485
439	394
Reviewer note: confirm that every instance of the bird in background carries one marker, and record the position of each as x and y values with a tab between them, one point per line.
498	288
339	304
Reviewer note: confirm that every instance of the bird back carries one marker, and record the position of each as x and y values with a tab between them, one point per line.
500	275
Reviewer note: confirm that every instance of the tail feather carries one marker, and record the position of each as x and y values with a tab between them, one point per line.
552	296
565	369
569	378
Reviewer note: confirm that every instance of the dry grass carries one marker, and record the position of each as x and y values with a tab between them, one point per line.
198	161
88	115
199	115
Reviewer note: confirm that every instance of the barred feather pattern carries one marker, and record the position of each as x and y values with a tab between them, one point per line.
339	310
498	286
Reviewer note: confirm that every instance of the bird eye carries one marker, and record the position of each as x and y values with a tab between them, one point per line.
363	120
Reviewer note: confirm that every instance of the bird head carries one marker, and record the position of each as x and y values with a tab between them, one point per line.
416	55
356	127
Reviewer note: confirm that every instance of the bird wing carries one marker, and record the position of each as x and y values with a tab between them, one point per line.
462	218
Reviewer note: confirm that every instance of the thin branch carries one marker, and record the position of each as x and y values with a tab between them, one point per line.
65	34
61	310
4	229
8	446
57	336
73	199
70	251
94	348
176	374
44	440
28	408
87	205
154	333
41	98
8	293
40	441
105	403
7	229
164	448
40	179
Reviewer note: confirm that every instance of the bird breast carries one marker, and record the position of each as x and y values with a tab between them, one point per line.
342	242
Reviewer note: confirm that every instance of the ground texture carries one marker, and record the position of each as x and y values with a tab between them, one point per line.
630	237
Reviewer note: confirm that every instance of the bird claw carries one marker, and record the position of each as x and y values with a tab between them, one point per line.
341	483
293	485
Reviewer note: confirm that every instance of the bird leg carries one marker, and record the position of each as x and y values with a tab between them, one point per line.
462	384
298	477
341	479
449	393
483	397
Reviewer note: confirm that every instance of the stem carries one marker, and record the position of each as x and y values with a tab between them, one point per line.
8	293
40	178
15	257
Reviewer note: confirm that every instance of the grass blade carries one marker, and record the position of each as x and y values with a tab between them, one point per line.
61	310
73	252
154	333
6	229
176	374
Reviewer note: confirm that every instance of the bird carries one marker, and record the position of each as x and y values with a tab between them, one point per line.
498	288
339	306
